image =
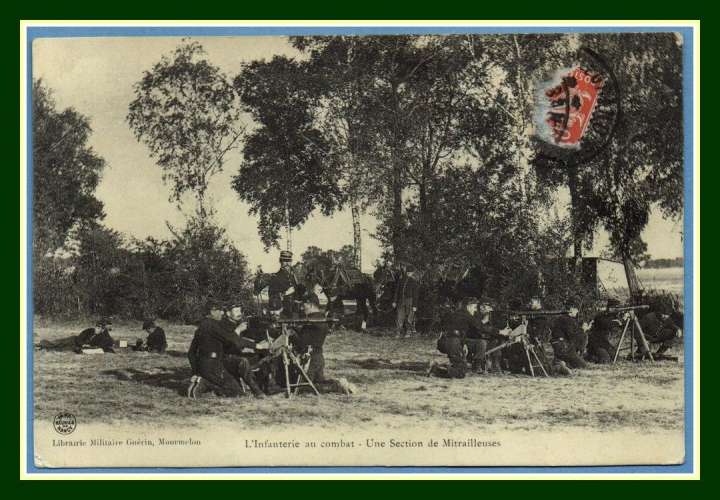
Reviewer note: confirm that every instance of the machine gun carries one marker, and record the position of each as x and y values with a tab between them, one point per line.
537	313
618	309
520	336
280	347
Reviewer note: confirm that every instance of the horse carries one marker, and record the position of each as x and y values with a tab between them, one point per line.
457	284
345	283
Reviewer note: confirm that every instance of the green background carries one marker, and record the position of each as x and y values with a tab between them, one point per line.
131	9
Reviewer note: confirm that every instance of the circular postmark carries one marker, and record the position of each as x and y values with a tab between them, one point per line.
584	112
64	423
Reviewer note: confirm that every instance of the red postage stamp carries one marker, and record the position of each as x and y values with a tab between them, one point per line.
571	104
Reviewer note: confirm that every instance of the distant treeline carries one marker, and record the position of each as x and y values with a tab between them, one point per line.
663	263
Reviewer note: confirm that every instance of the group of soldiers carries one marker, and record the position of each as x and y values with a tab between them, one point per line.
232	354
98	337
478	339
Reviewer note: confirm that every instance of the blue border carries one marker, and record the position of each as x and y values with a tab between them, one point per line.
688	234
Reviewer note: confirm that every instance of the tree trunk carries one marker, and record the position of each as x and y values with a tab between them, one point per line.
632	280
397	222
357	236
574	214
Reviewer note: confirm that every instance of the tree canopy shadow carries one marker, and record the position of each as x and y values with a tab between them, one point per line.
175	379
385	364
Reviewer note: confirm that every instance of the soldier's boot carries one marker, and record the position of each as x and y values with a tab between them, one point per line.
198	386
560	368
254	387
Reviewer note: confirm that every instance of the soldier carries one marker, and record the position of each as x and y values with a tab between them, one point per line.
451	342
659	329
282	287
95	337
237	359
156	340
567	337
405	300
480	333
207	355
98	336
599	349
312	337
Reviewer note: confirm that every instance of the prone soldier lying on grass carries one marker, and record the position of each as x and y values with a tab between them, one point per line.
90	338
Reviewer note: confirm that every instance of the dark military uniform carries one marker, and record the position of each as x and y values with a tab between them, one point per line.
313	336
565	334
599	348
407	293
156	340
480	337
214	356
513	356
101	339
280	282
456	326
658	331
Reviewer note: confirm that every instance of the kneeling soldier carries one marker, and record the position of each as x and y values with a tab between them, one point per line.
566	338
599	346
452	342
214	356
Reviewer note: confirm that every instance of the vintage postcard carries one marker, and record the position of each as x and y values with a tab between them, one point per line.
422	245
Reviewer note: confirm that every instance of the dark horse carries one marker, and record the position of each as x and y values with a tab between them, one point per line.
345	283
458	284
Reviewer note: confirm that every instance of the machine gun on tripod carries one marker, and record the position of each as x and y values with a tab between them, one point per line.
632	324
520	336
280	347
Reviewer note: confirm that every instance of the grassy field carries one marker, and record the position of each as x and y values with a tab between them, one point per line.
142	388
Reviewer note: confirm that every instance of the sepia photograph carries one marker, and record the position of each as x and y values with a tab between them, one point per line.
418	247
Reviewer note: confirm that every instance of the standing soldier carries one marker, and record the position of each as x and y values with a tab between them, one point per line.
566	332
282	286
407	292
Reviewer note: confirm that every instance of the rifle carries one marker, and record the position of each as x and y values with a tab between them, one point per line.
618	309
538	313
304	321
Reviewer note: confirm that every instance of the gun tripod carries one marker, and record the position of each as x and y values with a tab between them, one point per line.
632	323
281	347
520	336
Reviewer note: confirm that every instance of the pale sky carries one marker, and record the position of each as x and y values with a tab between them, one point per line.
95	76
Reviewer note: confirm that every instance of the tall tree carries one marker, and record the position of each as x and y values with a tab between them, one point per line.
641	169
66	171
186	112
285	173
343	73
